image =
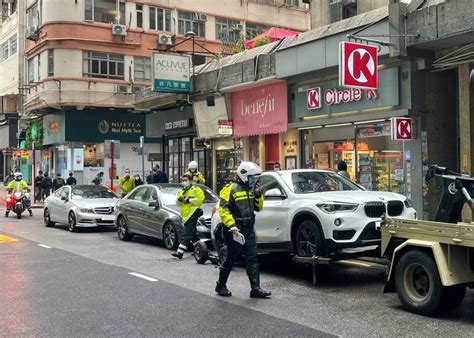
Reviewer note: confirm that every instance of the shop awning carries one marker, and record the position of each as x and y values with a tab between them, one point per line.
207	117
274	34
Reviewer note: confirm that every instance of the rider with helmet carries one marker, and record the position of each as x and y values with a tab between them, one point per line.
197	176
18	184
238	203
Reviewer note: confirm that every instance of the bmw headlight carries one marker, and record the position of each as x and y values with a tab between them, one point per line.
86	210
333	207
407	203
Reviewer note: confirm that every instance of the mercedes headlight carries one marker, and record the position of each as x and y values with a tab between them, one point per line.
86	210
407	203
333	207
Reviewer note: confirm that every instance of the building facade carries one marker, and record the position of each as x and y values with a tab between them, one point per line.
89	57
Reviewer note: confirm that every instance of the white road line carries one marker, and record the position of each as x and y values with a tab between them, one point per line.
139	275
45	246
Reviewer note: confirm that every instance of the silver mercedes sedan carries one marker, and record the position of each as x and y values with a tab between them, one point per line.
81	206
151	210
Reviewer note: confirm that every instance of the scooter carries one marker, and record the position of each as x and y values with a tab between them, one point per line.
16	202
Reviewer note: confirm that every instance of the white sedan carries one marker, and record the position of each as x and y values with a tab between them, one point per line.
316	212
81	206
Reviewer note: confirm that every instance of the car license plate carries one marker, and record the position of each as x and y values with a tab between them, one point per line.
108	218
378	225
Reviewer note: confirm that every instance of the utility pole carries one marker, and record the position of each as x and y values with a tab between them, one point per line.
112	155
142	150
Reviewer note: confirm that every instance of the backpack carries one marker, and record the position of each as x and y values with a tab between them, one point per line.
59	183
47	183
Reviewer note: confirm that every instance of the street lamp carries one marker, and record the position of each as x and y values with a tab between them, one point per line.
191	35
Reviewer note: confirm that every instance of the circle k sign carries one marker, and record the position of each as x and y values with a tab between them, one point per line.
402	128
358	65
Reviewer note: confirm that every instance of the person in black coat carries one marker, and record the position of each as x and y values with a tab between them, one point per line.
46	186
71	180
159	176
58	182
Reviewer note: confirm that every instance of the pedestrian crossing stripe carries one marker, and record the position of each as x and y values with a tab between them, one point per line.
7	239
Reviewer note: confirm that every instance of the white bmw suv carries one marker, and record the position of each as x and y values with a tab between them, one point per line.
316	212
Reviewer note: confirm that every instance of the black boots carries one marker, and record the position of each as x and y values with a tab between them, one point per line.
178	255
254	278
221	288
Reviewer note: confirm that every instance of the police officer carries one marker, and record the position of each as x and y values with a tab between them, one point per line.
189	198
18	184
197	176
238	203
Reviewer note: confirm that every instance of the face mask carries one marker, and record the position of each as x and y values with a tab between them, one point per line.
185	184
192	170
127	175
252	181
137	178
276	168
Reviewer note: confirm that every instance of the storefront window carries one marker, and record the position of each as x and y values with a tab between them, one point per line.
254	149
227	162
93	155
376	164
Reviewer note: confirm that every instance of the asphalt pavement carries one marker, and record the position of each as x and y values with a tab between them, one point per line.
78	284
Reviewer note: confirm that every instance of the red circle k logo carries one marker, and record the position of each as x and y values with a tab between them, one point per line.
358	65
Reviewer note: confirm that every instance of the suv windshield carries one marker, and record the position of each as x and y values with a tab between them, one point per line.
318	181
169	195
92	192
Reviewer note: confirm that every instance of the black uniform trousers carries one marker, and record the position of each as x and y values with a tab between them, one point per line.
234	249
189	232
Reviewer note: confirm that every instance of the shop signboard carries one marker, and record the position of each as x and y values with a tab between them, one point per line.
207	117
260	110
225	127
171	73
375	130
327	98
358	65
402	129
54	129
78	159
179	124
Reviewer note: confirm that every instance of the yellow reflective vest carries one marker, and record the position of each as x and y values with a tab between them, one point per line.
196	197
198	177
21	186
238	203
126	185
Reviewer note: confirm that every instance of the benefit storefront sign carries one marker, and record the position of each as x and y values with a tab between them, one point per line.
260	110
326	98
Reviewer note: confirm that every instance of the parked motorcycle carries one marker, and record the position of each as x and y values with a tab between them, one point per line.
16	202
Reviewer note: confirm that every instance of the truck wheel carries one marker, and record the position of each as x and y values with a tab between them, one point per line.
417	282
453	296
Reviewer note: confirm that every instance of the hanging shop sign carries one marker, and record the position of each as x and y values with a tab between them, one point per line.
358	65
225	127
171	73
402	128
327	98
261	110
78	159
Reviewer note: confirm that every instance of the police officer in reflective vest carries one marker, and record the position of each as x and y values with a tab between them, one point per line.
238	203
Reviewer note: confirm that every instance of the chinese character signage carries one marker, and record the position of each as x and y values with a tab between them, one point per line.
171	73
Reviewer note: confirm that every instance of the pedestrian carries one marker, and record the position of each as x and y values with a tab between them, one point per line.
138	180
99	178
71	180
126	183
149	178
46	186
197	176
38	182
189	199
239	201
159	176
58	182
342	169
10	177
276	166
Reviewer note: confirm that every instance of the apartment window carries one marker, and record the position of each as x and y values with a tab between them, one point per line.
227	29
189	22
108	11
103	65
8	8
160	19
38	68
50	62
254	29
292	3
13	45
33	16
348	11
5	51
31	70
142	69
139	15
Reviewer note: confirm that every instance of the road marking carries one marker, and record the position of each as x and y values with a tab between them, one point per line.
139	275
45	246
7	239
364	265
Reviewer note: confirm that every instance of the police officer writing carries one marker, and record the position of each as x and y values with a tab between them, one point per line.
197	177
189	198
238	204
126	183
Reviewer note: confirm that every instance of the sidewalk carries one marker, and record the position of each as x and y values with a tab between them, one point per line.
3	194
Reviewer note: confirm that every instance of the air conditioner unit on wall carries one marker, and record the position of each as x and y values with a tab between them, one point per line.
120	30
123	89
200	17
165	39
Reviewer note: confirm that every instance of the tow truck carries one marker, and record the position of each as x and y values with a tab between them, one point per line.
432	262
